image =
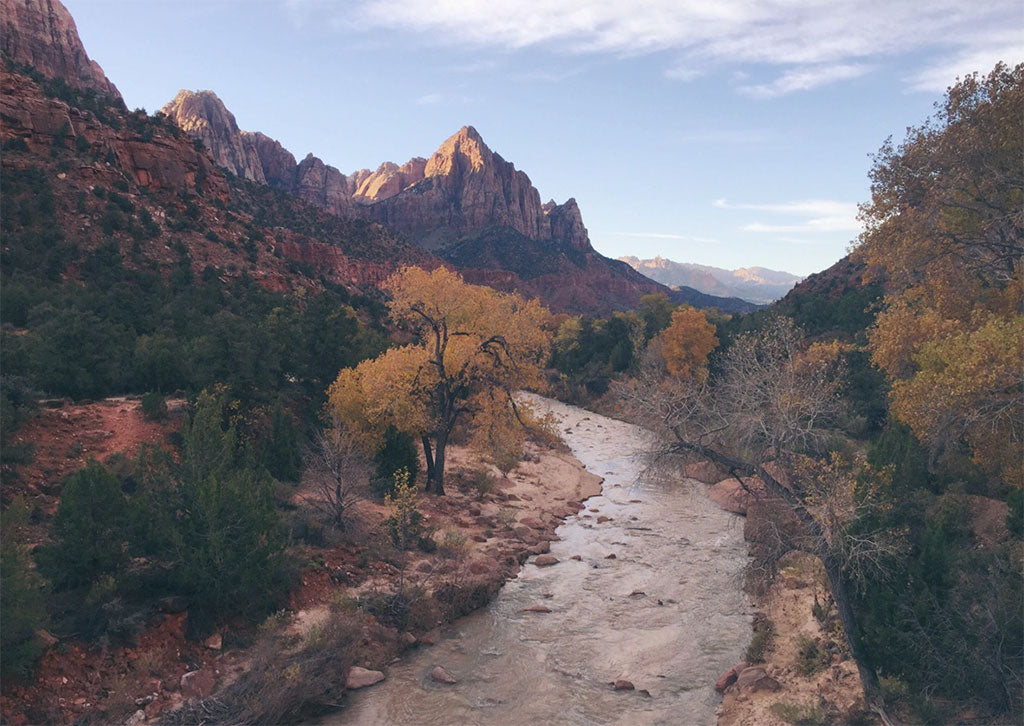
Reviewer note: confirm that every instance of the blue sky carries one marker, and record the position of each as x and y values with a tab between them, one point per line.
729	133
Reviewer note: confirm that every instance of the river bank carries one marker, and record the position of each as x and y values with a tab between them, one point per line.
641	611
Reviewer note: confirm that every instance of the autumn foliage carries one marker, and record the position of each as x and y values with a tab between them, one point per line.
474	347
945	228
687	343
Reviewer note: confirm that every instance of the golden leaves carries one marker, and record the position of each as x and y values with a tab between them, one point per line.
687	343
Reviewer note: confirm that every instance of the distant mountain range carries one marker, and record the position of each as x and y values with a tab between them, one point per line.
753	284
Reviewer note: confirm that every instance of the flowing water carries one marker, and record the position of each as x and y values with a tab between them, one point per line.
667	613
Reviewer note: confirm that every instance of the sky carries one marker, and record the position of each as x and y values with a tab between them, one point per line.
730	132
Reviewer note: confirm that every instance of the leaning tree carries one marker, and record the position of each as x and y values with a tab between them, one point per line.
767	416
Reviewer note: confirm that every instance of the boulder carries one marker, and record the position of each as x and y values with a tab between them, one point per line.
545	560
623	685
732	497
440	675
729	677
704	471
756	678
361	678
214	642
536	609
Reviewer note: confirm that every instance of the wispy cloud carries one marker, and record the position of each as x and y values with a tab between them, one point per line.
1006	47
665	235
804	79
684	74
807	43
806	216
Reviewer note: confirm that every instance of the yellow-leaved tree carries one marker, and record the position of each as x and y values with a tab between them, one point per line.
687	343
474	347
945	229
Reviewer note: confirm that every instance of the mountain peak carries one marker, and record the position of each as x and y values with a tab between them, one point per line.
42	34
202	115
464	150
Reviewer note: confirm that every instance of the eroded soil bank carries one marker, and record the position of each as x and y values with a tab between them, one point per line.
647	589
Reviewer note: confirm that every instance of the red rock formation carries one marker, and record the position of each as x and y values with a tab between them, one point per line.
465	187
202	115
42	34
389	179
277	162
324	186
161	162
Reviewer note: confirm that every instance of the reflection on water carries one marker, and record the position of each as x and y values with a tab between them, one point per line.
667	613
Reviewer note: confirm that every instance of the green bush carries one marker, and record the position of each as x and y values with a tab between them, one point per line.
397	453
90	529
21	605
154	407
211	516
811	657
481	482
282	453
761	641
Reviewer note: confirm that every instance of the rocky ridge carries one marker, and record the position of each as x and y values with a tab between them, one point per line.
42	34
462	187
464	203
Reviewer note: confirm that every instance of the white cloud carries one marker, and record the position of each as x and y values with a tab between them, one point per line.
807	216
804	79
1006	47
810	42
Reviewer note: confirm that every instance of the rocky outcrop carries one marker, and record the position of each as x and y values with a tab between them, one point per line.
161	162
257	157
276	162
465	187
42	34
388	180
203	116
566	224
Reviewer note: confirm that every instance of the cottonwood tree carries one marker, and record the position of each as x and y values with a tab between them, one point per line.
945	229
687	342
474	347
768	414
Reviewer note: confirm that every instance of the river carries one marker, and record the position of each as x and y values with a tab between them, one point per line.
666	613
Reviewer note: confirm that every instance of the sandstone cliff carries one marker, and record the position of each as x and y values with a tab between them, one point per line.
463	187
204	117
42	34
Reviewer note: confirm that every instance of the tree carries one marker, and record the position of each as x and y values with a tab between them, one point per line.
656	311
687	343
945	229
767	414
90	529
471	342
338	473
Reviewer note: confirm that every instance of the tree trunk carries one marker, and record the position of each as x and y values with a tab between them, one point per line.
837	583
429	456
440	444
